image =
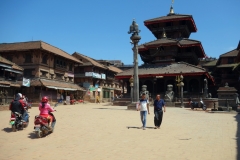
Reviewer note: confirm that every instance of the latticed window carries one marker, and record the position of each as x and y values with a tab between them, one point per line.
44	59
28	58
28	73
230	60
9	58
70	67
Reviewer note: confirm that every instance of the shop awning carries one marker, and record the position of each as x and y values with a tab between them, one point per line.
4	65
61	85
61	88
67	89
12	70
15	85
51	87
2	85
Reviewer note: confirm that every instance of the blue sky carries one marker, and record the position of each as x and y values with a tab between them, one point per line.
99	28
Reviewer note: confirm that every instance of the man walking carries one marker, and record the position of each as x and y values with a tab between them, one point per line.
158	112
143	106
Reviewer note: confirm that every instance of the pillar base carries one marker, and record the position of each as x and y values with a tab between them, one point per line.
132	106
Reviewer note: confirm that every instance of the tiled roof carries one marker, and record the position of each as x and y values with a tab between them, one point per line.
232	53
53	83
5	82
114	69
14	66
227	65
15	85
20	46
211	63
91	60
169	41
60	84
162	41
173	17
176	68
169	17
229	89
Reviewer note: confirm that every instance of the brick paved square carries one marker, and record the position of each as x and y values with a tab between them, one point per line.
99	131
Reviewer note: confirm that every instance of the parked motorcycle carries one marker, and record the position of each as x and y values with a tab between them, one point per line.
199	104
16	121
41	125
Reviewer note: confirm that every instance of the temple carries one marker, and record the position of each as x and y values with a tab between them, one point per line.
171	55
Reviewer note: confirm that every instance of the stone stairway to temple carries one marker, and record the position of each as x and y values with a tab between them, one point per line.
121	101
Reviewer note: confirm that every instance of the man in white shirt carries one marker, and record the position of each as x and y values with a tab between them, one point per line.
144	109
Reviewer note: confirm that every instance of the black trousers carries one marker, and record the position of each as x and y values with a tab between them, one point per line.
158	118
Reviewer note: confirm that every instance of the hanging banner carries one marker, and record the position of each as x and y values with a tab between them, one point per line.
26	82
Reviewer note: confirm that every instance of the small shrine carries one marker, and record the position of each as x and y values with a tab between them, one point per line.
227	97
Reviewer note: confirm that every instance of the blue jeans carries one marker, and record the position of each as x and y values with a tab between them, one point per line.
143	115
25	116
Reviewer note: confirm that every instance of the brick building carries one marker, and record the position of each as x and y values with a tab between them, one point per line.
98	77
227	69
10	74
50	69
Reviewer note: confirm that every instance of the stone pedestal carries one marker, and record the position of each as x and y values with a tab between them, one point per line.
132	106
227	98
209	102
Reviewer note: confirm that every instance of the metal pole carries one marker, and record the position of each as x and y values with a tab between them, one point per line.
136	81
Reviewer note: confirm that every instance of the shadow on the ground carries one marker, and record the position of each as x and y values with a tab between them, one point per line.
111	108
8	130
132	127
238	136
32	135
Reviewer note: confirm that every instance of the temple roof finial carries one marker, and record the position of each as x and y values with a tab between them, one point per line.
171	8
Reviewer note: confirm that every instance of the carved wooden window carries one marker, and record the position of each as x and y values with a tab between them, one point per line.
169	24
28	73
28	58
9	58
59	76
230	60
183	22
188	49
70	67
44	74
44	59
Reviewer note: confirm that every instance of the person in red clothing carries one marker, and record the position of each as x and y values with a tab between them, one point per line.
17	105
45	108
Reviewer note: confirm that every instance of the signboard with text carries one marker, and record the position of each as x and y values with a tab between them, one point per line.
103	76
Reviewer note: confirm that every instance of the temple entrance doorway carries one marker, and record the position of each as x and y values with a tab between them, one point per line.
194	85
159	86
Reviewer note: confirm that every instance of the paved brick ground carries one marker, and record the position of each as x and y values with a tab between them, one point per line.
91	131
